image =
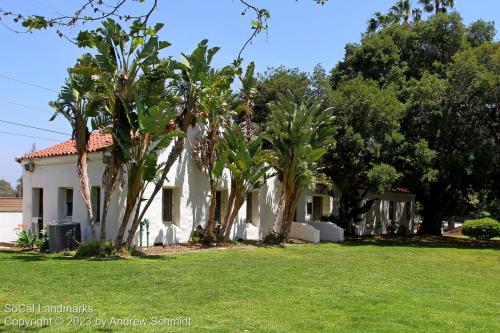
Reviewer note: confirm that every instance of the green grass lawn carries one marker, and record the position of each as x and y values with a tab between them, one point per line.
358	286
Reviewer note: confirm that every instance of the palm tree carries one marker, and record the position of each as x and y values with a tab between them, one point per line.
248	166
299	135
437	6
402	10
75	103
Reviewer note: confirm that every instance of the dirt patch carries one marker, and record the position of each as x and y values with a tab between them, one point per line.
197	247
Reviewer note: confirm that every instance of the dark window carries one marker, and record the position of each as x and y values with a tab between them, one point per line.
249	207
167	205
69	202
408	211
218	206
391	210
96	203
309	208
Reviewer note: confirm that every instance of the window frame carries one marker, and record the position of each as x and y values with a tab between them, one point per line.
68	202
167	216
95	197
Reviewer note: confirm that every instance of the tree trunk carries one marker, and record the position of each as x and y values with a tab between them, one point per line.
431	223
211	210
227	215
238	202
82	173
135	223
110	178
279	209
290	207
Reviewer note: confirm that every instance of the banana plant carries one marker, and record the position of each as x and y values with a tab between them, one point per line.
215	99
122	58
247	163
189	80
299	136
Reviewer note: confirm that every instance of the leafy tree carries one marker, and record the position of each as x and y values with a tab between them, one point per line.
298	135
275	82
367	119
454	115
480	32
6	189
433	70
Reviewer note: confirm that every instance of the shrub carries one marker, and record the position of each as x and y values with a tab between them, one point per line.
484	229
273	238
26	240
92	249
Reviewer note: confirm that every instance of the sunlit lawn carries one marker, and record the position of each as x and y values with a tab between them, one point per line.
359	286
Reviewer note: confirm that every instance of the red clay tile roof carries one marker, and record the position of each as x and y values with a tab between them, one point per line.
97	141
11	204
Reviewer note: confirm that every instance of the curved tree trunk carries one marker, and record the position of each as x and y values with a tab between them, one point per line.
238	202
82	173
135	223
289	212
110	179
279	209
211	210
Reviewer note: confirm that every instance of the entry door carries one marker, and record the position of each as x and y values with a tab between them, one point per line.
317	208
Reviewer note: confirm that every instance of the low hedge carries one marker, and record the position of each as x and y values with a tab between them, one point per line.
484	229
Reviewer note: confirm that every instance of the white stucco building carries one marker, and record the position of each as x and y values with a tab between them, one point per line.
51	193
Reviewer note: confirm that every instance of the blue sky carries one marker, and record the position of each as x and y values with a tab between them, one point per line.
301	34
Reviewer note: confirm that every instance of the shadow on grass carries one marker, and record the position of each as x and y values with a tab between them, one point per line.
422	242
30	256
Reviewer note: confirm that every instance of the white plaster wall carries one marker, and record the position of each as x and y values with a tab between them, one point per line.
9	222
305	231
53	173
329	231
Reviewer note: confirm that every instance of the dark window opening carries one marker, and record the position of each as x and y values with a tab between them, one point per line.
69	202
309	208
167	205
218	206
391	210
96	203
249	208
408	211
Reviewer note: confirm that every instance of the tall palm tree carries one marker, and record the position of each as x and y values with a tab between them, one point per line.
75	103
299	135
437	6
402	10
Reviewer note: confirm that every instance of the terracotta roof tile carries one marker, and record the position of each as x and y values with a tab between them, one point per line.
98	141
